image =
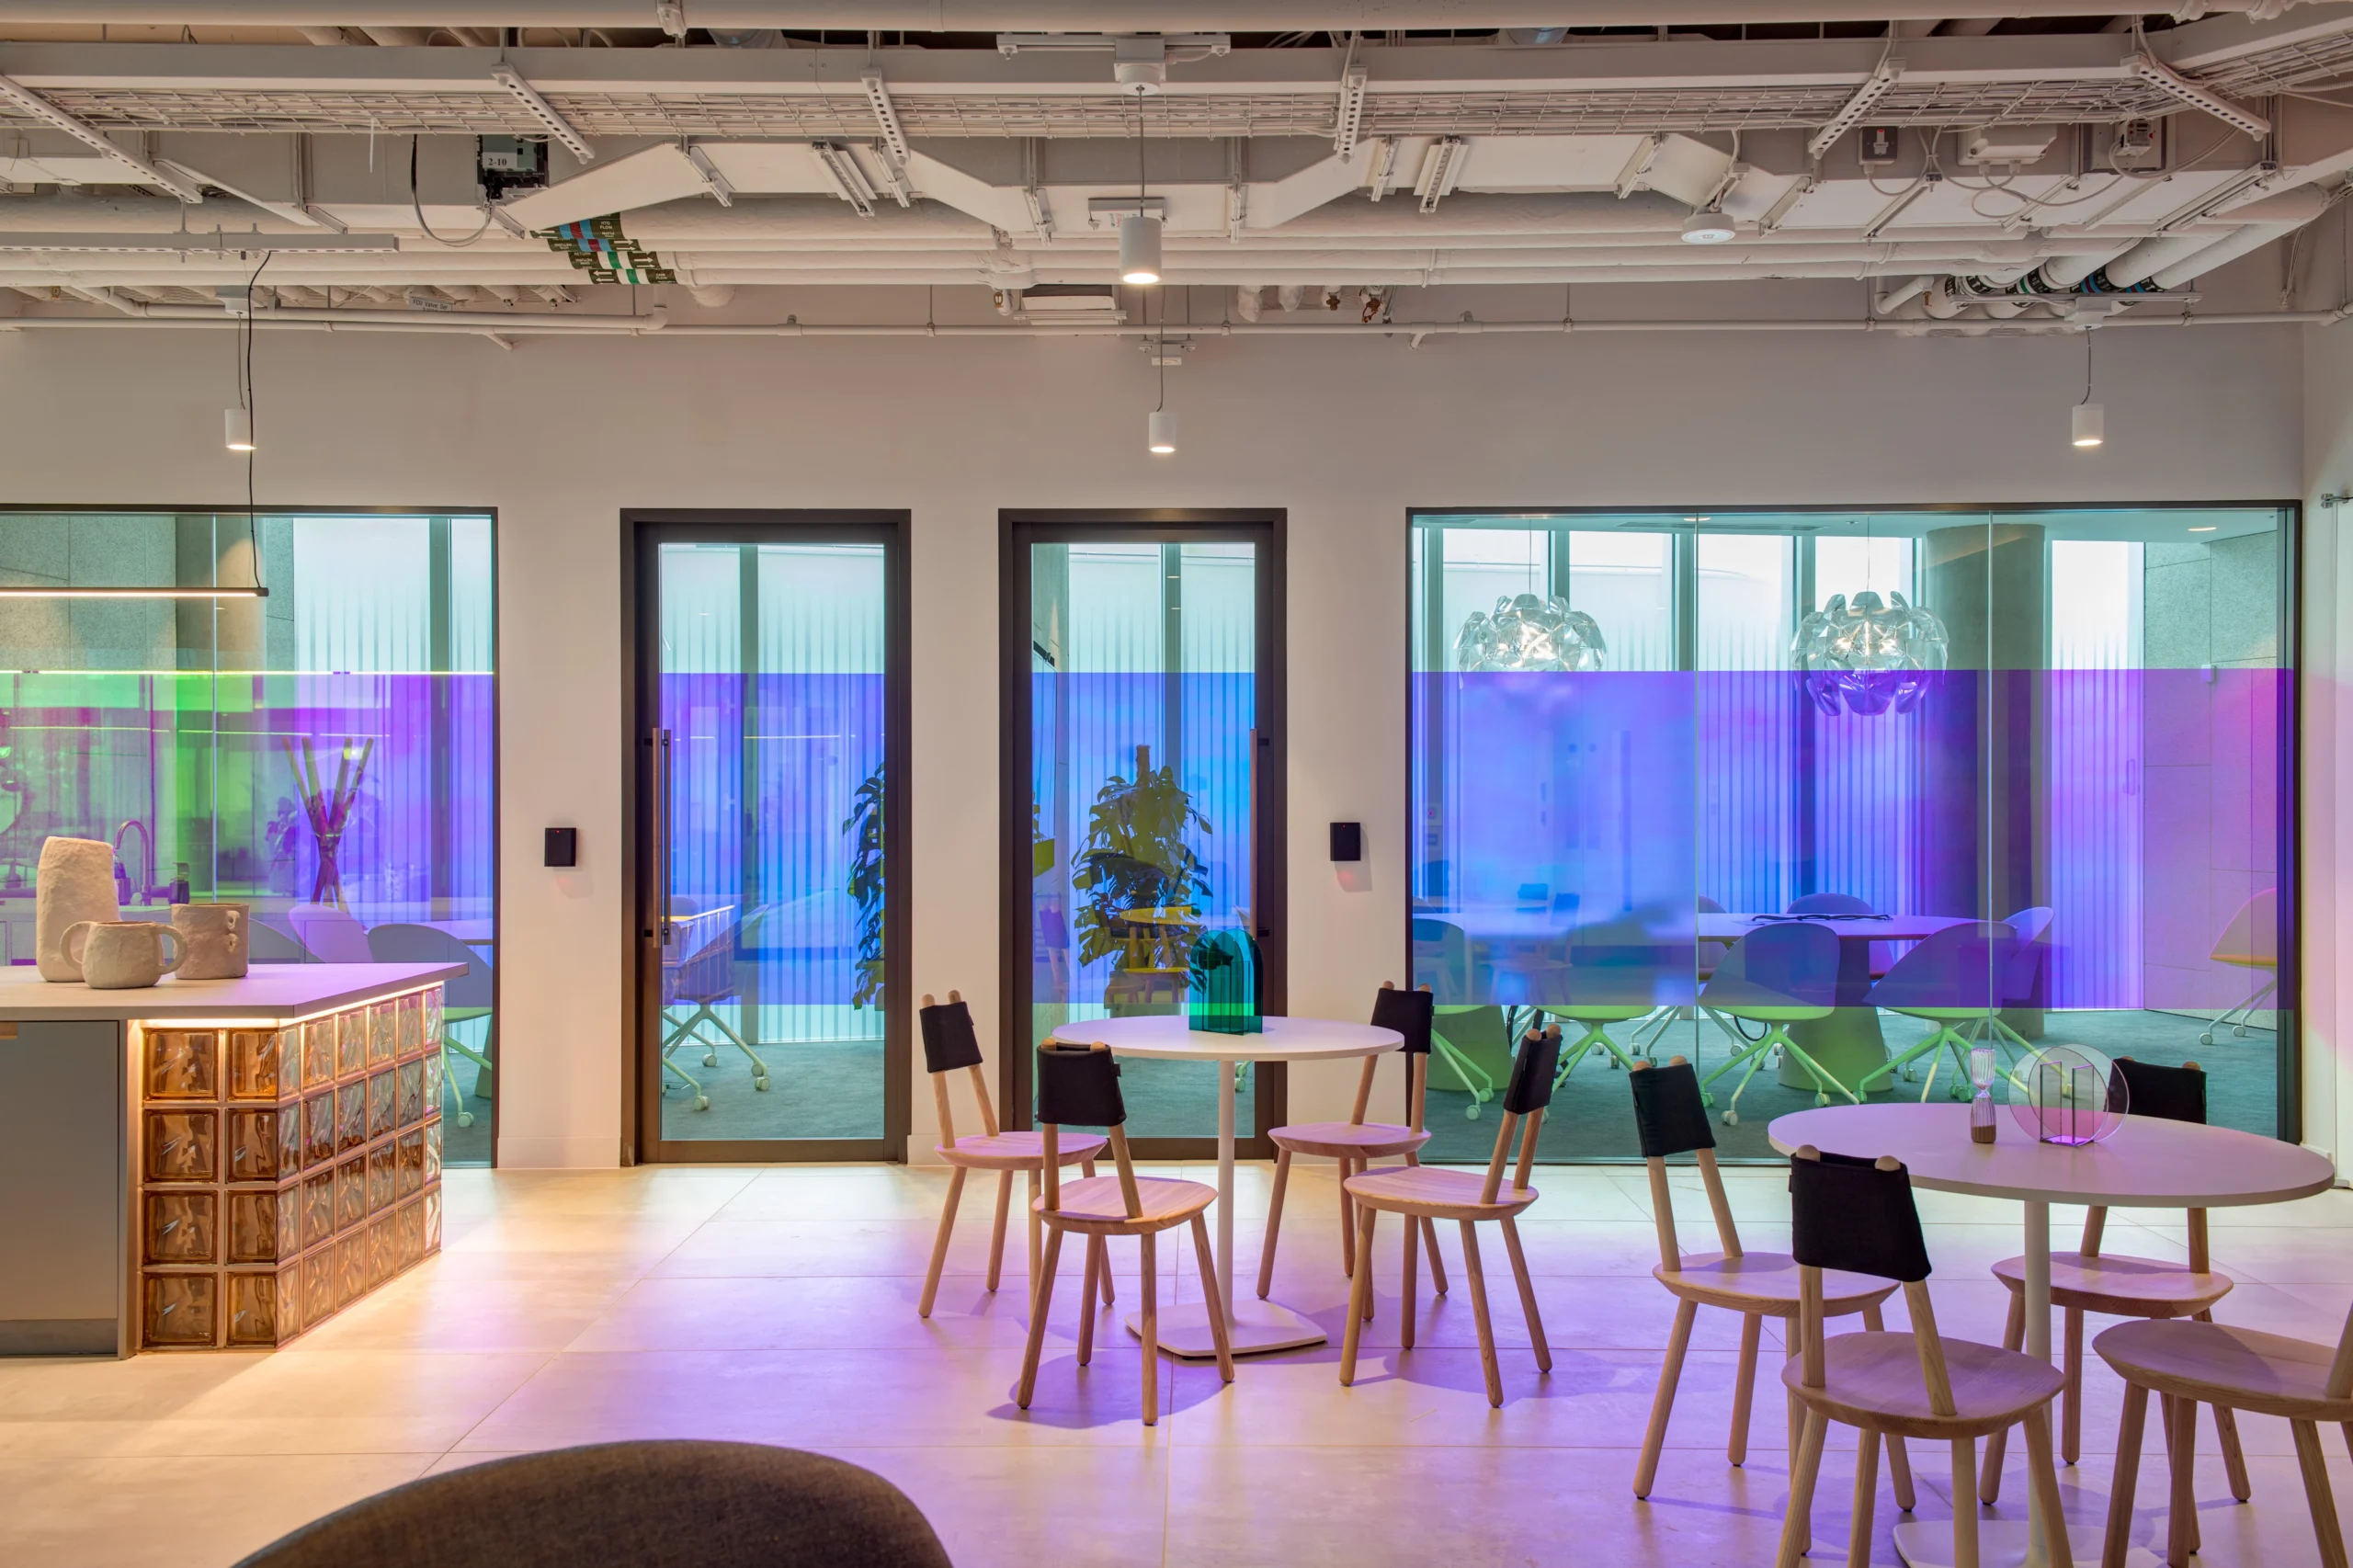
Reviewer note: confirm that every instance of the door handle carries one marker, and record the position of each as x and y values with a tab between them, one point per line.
659	742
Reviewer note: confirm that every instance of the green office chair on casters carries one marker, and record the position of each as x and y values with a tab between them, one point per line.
1442	960
1775	975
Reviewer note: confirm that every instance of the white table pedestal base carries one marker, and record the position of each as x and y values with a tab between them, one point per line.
1258	1327
2001	1544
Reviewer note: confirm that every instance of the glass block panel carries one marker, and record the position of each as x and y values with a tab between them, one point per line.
183	1145
432	1209
265	1144
409	1160
261	1067
408	1097
351	1115
182	1227
256	1235
318	1128
350	1268
351	1043
433	1021
408	1230
380	1103
433	1066
381	1046
289	1220
183	1065
383	1249
318	1207
318	1052
383	1177
318	1287
433	1150
253	1308
178	1309
410	1010
350	1193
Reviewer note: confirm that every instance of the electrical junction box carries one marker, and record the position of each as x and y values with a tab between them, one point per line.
2007	144
1878	144
509	163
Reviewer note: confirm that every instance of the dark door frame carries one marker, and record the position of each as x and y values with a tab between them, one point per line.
643	531
1017	531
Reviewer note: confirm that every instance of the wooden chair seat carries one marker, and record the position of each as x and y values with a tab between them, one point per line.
1096	1207
1872	1381
1434	1192
2240	1368
1016	1151
1349	1139
2123	1287
1765	1284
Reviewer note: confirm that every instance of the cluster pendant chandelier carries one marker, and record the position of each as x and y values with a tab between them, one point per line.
1865	656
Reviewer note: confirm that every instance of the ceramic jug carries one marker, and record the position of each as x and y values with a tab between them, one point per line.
216	938
75	883
123	955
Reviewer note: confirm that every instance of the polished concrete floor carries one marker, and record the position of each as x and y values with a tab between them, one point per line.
777	1305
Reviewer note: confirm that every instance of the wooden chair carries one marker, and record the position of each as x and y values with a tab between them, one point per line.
2087	1280
2186	1363
1356	1143
1079	1085
1671	1118
1438	1192
949	1043
1855	1216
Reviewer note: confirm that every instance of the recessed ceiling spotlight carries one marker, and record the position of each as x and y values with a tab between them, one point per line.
1707	227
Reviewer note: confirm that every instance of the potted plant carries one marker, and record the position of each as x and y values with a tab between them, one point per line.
865	828
1139	881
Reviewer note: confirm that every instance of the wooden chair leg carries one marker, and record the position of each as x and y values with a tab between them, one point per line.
1148	1326
1528	1295
1805	1467
939	1246
1899	1458
1041	1299
2128	1472
1086	1167
1472	1271
1437	1276
1989	1483
1274	1224
1743	1392
2070	1398
1859	1534
1964	1518
2226	1427
1408	1291
1678	1342
1359	1287
2326	1528
2181	1524
996	1236
2042	1475
1348	1222
1796	1412
1096	1268
1220	1335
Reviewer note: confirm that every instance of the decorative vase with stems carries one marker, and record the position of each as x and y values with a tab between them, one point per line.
328	808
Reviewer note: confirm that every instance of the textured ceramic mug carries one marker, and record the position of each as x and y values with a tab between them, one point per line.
75	883
216	938
123	955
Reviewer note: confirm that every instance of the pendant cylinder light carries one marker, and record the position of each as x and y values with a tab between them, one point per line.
1160	432
2091	424
239	426
1139	248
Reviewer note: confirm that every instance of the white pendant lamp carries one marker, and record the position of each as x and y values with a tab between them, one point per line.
1160	432
238	423
1139	248
2090	425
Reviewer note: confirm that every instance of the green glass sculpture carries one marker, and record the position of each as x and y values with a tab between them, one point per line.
1222	990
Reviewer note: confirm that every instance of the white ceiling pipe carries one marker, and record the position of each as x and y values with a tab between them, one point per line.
2142	261
2293	209
2066	271
1035	16
2255	236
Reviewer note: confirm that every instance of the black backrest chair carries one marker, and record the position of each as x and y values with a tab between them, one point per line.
1670	1117
643	1504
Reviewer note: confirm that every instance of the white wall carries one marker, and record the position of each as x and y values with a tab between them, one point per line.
2327	778
557	436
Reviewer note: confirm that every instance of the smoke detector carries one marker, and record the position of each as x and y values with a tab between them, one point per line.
1707	227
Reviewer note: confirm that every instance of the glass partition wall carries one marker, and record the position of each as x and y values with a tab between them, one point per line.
1823	801
326	753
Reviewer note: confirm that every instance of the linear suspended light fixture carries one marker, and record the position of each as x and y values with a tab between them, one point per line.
13	592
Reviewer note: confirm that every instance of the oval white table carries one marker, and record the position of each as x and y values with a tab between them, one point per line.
1257	1327
2146	1164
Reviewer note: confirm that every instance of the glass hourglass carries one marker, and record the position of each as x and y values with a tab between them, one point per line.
1981	1071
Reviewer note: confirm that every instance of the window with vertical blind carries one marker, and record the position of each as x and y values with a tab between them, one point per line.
2028	767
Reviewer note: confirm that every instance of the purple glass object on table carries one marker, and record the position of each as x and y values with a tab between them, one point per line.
2067	1093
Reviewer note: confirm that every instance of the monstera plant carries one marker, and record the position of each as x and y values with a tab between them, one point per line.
1136	858
865	828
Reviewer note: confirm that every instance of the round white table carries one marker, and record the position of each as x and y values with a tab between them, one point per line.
1256	1326
2145	1163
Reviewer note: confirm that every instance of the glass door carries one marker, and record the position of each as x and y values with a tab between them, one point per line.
1143	787
771	711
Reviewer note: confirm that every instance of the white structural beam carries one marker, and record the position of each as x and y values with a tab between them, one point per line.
26	101
292	211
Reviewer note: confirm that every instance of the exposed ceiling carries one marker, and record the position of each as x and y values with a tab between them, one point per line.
2025	166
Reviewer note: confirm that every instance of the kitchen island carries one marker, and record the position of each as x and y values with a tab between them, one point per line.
213	1164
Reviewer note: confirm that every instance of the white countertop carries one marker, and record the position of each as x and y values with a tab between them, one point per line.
272	991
